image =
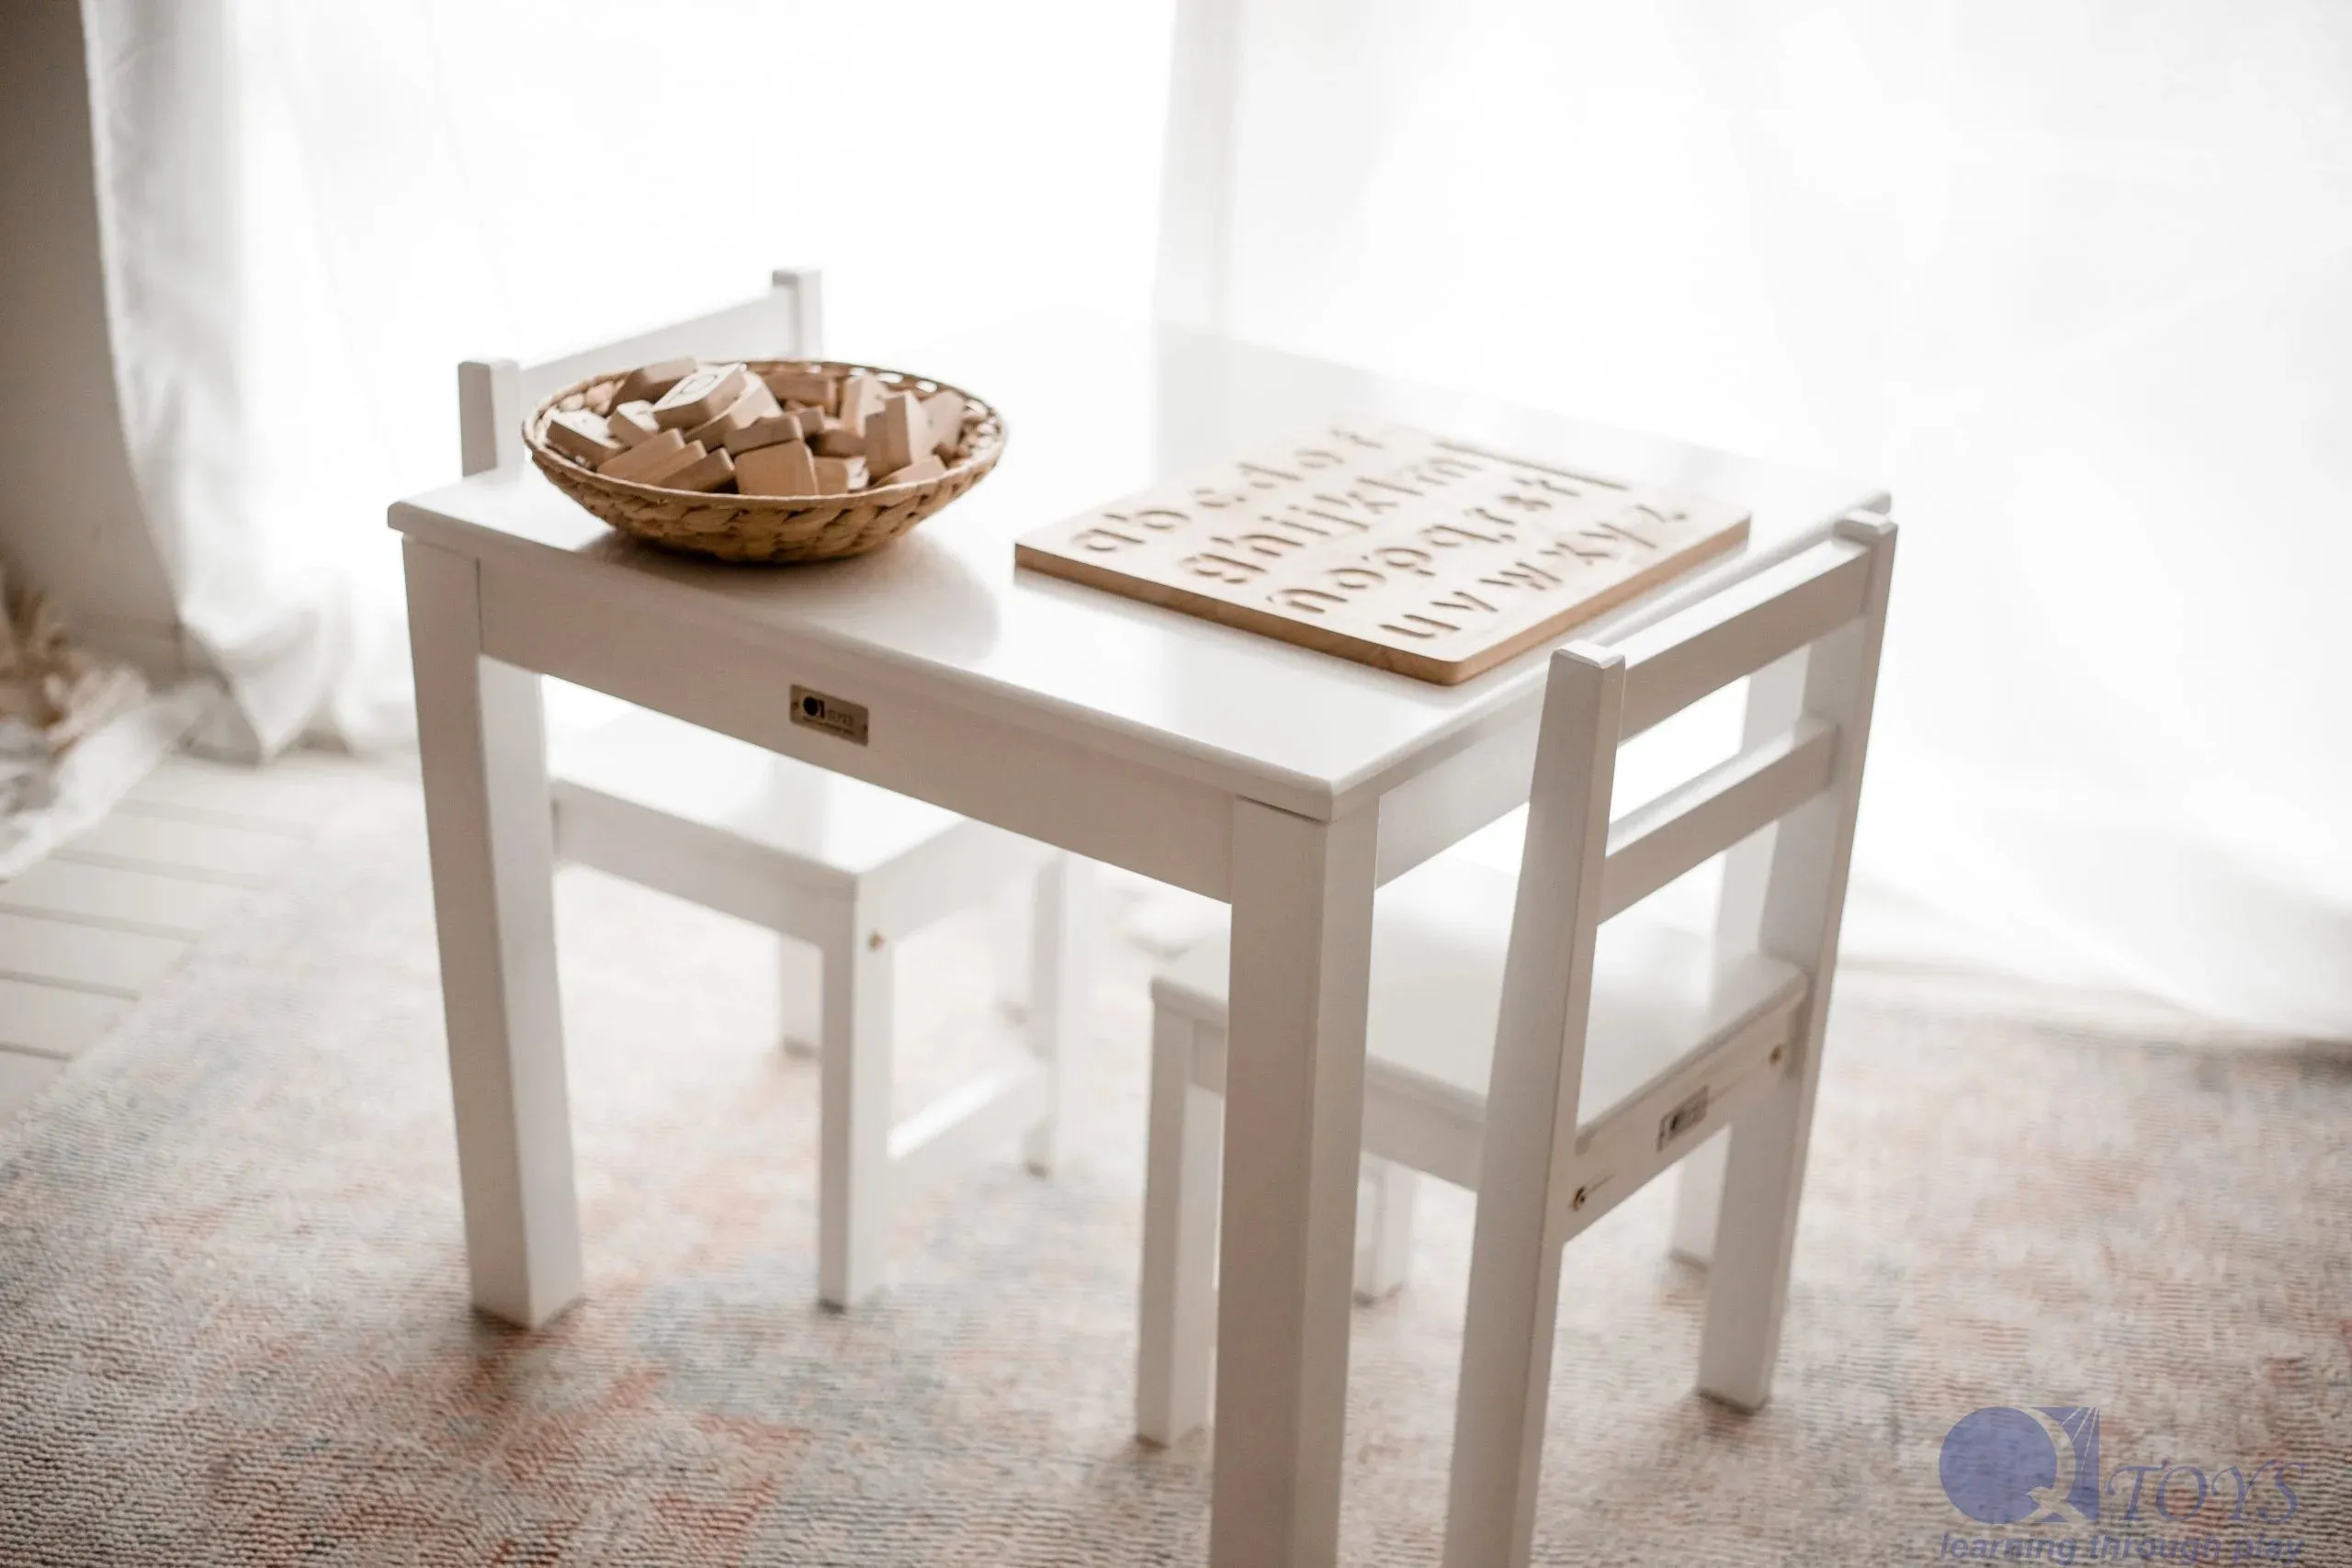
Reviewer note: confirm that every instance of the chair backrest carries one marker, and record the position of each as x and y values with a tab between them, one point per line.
494	395
1807	629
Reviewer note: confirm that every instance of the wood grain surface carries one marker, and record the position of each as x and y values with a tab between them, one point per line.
1391	547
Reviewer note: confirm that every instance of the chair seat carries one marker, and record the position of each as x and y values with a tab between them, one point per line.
1440	933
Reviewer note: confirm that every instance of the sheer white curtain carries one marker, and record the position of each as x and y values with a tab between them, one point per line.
2073	276
393	186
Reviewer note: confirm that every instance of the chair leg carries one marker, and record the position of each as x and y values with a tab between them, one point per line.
1698	1202
1012	944
853	1182
1503	1401
799	1028
1184	1165
1747	1280
1384	1229
1060	977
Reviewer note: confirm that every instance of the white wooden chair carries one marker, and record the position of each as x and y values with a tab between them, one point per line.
842	865
1606	1052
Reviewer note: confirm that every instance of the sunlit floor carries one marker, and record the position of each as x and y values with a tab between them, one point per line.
87	932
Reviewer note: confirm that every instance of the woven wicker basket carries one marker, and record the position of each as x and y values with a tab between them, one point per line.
763	528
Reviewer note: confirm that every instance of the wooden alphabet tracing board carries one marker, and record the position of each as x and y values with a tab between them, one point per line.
1390	547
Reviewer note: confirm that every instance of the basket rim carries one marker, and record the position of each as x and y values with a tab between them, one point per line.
986	444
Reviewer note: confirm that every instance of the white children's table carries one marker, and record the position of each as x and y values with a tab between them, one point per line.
1288	784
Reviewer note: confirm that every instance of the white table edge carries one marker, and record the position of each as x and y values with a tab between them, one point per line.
1499	713
1229	771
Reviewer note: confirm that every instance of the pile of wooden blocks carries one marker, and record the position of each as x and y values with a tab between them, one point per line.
794	431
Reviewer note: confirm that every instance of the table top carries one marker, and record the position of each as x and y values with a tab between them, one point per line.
1096	409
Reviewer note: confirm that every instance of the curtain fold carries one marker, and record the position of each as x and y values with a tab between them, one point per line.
168	146
313	212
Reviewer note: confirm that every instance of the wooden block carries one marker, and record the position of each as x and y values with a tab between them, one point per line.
804	387
755	404
586	436
839	476
651	381
942	414
647	457
772	430
707	472
861	398
896	436
783	470
924	467
1391	547
837	440
694	400
632	423
666	474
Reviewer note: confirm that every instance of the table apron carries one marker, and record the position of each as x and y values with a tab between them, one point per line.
1484	776
1108	809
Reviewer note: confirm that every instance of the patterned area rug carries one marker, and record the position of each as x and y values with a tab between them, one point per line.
233	1326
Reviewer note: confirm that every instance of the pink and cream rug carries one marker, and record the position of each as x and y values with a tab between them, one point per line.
233	1326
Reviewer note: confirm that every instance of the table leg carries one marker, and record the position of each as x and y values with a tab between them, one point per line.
1293	1127
483	742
